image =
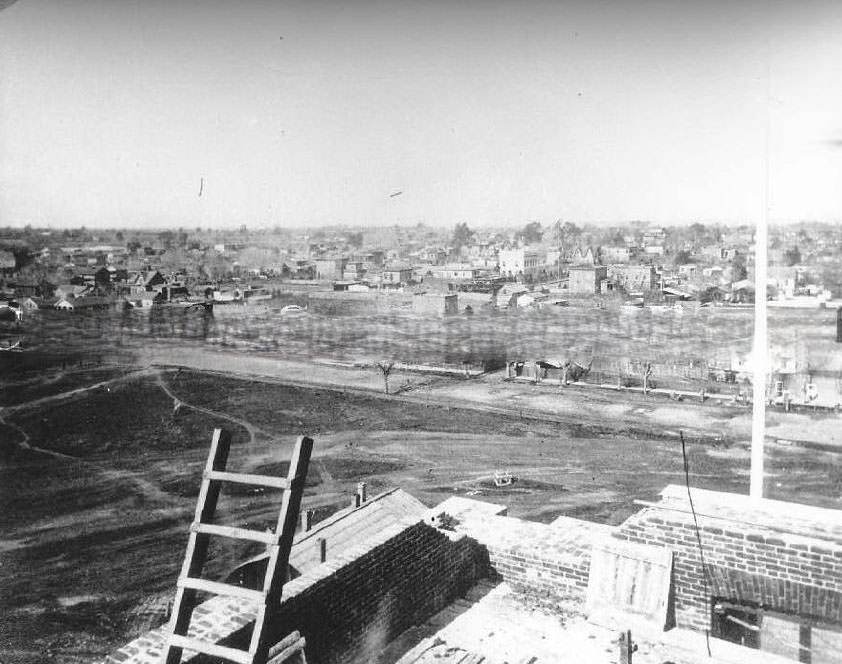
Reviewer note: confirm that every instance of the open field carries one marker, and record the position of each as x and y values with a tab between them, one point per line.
98	486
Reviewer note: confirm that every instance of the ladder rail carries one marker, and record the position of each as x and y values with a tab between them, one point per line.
197	544
279	545
274	579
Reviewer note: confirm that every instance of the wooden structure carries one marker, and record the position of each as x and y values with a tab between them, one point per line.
278	545
630	583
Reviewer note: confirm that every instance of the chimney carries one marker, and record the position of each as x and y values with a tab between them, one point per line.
322	549
362	492
306	520
356	500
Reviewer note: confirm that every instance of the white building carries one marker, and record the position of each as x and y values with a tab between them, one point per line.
521	263
455	271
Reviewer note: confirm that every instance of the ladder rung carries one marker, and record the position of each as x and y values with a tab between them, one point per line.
245	478
224	589
233	532
207	648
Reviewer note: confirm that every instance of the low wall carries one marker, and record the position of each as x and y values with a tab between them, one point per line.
549	562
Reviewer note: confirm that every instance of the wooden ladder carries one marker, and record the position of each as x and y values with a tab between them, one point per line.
278	545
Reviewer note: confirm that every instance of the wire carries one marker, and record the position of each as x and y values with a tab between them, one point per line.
698	534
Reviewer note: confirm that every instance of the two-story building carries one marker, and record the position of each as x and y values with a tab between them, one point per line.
521	263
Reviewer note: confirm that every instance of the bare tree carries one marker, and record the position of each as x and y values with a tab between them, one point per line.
647	374
385	369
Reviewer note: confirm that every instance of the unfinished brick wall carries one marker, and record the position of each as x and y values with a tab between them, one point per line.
549	576
367	600
351	606
549	562
747	562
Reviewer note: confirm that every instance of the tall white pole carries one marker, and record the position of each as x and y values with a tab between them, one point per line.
761	354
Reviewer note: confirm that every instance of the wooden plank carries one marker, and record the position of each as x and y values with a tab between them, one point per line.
207	648
224	589
630	580
284	643
233	532
246	478
283	655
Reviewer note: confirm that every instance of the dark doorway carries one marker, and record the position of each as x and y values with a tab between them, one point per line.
737	623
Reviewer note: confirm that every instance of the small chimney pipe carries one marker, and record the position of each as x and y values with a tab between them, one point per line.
362	491
306	520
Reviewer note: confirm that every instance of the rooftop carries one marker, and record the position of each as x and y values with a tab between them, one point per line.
494	625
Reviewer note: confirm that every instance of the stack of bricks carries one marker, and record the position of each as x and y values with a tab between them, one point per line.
782	557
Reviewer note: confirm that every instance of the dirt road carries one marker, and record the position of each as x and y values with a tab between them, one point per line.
586	405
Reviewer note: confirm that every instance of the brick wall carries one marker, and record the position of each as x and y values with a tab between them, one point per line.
753	560
549	562
367	600
351	606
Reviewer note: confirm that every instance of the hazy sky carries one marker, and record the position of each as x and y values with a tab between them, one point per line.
111	113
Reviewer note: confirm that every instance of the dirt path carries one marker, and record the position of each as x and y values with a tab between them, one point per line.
178	402
147	489
80	390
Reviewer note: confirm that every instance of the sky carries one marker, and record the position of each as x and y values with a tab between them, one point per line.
124	113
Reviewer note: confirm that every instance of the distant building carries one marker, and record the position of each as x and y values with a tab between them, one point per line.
29	304
583	256
7	263
330	269
654	237
616	254
521	263
456	271
432	255
102	277
70	291
634	278
586	280
354	271
397	274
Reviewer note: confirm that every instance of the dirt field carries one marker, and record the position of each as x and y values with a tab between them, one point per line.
97	488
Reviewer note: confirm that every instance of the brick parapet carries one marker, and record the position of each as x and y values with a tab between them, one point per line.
547	561
788	572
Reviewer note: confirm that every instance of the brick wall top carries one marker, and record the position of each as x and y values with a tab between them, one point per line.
811	523
562	540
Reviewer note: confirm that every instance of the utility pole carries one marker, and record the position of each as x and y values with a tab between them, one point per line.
758	419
